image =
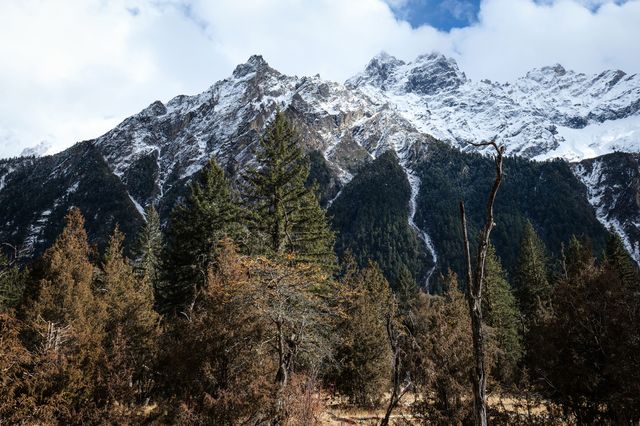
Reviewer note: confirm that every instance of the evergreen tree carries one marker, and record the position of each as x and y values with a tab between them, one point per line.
219	360
149	246
587	350
286	212
13	357
577	262
12	283
501	313
207	215
66	294
620	261
363	354
443	364
68	321
532	285
407	292
130	326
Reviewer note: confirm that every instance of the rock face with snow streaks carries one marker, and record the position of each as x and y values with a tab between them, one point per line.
550	112
613	188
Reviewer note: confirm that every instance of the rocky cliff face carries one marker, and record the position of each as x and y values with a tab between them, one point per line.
613	188
391	105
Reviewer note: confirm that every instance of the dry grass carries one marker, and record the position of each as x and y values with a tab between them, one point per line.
339	413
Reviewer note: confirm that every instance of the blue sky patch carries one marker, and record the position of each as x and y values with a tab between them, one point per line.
441	14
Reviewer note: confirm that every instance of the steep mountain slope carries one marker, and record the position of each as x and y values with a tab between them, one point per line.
370	217
545	193
390	106
613	188
162	146
37	193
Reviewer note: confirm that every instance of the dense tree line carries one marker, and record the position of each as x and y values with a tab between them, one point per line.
370	217
240	313
545	193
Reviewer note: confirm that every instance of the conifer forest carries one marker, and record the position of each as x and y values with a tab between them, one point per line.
252	304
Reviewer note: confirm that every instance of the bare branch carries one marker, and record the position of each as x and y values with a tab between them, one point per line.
474	286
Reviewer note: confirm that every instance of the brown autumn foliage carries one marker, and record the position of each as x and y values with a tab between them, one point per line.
264	336
13	357
131	327
256	323
66	322
219	370
303	399
443	357
85	342
362	367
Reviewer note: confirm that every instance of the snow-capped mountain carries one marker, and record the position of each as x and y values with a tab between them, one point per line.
36	151
550	112
390	105
229	117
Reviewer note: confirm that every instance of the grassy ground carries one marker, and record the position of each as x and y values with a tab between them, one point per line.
337	413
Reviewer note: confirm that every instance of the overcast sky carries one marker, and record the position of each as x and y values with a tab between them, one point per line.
71	70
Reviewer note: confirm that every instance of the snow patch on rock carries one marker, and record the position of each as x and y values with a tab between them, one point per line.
594	179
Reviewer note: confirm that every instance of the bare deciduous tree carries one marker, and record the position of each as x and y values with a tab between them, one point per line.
400	387
474	288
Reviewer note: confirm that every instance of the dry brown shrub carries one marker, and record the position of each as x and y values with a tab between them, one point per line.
303	401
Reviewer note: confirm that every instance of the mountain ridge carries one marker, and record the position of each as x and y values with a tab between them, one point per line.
392	105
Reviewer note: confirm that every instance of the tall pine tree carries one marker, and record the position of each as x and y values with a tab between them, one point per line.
407	291
207	215
532	284
68	319
65	294
131	325
149	246
620	261
501	313
363	355
577	262
286	212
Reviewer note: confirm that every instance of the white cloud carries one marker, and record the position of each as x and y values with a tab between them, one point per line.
397	4
513	36
72	70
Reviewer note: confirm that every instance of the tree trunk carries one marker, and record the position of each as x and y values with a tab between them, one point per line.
395	393
281	378
474	291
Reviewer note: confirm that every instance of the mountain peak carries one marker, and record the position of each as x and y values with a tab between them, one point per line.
257	60
384	58
547	74
36	151
255	63
428	74
433	72
378	71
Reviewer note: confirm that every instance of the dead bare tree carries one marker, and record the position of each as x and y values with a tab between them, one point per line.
474	289
400	387
55	336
